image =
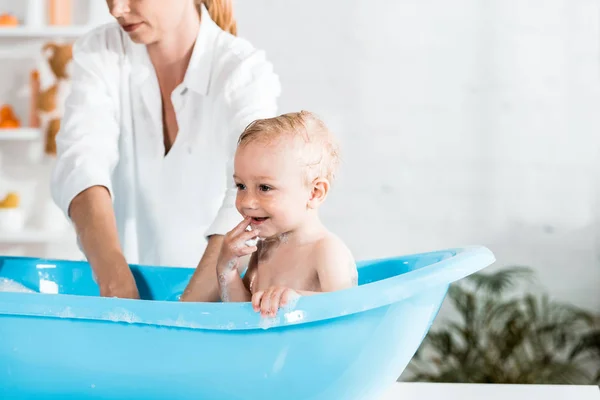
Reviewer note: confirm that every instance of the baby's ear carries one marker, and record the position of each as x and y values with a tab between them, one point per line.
318	193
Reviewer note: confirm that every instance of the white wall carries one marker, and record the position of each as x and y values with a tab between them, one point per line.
463	122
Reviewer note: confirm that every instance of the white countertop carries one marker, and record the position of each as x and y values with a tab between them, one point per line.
456	391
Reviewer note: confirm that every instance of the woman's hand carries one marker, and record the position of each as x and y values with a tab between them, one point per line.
116	280
121	289
234	246
269	301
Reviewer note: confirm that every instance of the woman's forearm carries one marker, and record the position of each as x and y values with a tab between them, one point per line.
203	286
92	214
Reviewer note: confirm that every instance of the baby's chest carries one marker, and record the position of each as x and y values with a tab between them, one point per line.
297	275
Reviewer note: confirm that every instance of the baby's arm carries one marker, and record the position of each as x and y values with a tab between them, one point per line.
231	285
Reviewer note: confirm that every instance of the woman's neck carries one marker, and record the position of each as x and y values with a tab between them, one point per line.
171	55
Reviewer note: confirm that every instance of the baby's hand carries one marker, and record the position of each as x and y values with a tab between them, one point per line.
234	245
270	300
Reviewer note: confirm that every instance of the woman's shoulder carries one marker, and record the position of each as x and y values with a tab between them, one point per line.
238	63
233	50
103	39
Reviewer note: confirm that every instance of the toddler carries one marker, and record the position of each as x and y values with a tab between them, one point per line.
283	170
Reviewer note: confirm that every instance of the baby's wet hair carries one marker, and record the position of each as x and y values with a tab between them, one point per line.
318	148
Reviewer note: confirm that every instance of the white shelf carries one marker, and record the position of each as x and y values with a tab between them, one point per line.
20	134
44	31
32	237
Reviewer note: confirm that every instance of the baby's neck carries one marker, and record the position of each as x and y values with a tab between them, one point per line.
310	231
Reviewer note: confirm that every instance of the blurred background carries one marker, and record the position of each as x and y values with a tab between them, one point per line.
463	122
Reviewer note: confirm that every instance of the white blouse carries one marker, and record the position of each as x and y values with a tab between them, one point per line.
112	135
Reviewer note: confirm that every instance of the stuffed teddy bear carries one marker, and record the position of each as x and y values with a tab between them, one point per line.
54	86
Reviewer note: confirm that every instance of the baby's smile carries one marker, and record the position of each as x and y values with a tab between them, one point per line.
258	220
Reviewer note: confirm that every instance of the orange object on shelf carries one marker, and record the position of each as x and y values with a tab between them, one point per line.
8	20
10	201
8	118
9	124
6	112
60	12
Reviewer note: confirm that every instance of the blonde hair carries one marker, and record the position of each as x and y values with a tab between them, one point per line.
221	11
318	148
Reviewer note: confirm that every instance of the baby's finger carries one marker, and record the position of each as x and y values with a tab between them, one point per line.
265	302
256	297
285	298
274	300
241	227
245	250
240	245
240	238
247	235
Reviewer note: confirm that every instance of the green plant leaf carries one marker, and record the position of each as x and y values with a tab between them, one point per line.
499	282
527	339
589	342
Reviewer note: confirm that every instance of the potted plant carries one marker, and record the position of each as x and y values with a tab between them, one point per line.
504	335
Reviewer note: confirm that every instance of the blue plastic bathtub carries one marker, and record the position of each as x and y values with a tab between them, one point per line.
350	344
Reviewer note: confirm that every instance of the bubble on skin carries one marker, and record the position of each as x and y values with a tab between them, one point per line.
223	287
254	241
283	238
289	314
292	301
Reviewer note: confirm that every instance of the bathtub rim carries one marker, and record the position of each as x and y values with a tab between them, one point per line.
240	316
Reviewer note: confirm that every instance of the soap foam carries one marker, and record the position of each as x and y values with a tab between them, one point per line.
8	285
181	322
292	301
288	311
251	242
122	315
66	313
268	322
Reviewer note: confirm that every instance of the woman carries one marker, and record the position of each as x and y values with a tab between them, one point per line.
144	163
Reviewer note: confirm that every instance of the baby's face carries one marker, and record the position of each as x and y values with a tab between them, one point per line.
271	188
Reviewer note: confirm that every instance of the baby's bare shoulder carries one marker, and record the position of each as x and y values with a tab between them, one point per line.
331	247
335	263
